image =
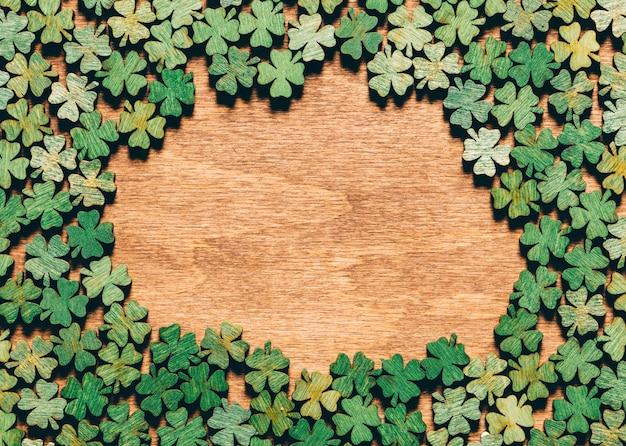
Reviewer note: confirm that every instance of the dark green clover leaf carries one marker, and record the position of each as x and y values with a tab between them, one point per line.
203	385
44	408
90	395
320	435
586	265
267	365
159	389
59	305
359	418
557	183
220	28
519	196
180	353
14	35
400	429
102	278
488	382
464	99
176	89
122	323
445	358
533	292
28	363
399	382
49	161
574	359
86	238
537	66
316	392
483	63
229	425
277	413
517	329
549	237
91	141
265	19
578	408
118	367
47	260
71	346
453	409
219	348
19	297
285	69
127	430
357	28
359	376
238	69
582	138
90	48
526	16
181	431
528	375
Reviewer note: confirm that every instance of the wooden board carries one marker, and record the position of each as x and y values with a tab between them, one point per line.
339	225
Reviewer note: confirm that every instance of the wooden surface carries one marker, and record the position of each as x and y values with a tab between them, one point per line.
337	226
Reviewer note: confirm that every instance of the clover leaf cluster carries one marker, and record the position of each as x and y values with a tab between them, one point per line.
84	386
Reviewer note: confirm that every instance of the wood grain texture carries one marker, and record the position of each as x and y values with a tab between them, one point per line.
337	226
